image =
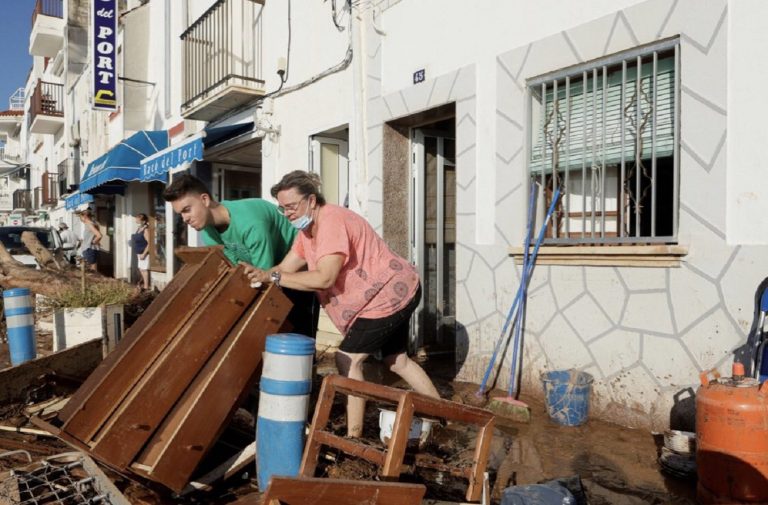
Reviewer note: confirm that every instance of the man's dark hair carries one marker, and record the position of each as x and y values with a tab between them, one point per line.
305	184
183	186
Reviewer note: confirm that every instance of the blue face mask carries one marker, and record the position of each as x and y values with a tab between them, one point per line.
303	222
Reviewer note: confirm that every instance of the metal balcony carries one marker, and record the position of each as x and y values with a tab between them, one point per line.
51	189
46	109
22	199
222	59
8	156
47	35
65	176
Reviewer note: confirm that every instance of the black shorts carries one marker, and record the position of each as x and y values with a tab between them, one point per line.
388	334
304	313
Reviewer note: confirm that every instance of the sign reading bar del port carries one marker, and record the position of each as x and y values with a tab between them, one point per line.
104	54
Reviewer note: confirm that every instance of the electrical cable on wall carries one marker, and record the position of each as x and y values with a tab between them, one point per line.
335	15
280	91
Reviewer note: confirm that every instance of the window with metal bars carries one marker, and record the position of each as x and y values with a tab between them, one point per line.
606	133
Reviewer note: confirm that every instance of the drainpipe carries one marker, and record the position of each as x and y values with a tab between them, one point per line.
358	131
167	60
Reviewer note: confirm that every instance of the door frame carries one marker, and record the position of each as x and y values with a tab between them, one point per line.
417	225
316	167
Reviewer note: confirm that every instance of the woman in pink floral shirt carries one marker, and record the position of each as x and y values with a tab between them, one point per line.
368	291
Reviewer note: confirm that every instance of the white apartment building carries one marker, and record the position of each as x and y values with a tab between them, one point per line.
432	118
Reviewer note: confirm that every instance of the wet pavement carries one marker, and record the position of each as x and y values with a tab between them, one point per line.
616	465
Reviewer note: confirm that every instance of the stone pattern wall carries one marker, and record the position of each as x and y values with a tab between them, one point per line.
643	333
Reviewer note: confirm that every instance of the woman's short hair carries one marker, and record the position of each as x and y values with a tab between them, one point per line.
305	183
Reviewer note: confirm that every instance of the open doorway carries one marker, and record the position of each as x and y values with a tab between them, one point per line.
433	231
419	193
329	157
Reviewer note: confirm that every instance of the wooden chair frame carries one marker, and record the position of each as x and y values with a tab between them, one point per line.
408	404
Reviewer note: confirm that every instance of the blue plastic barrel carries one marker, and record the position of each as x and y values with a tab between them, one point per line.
567	396
20	322
286	381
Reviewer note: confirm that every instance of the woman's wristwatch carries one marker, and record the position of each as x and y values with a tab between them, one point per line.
275	278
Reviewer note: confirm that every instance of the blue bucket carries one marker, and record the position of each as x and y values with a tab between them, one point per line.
20	323
567	395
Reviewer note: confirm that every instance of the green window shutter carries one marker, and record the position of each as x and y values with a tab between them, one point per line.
588	132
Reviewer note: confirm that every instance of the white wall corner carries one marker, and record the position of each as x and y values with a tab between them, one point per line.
746	188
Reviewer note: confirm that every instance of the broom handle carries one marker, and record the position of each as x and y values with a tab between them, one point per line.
524	287
518	296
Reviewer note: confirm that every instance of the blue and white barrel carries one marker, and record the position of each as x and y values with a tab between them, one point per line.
20	322
286	381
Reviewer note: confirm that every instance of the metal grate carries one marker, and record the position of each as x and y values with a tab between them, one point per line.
606	133
64	479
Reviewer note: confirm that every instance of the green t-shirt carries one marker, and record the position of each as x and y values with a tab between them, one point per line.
257	233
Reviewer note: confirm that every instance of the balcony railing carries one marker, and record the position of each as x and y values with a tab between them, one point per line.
46	108
52	8
48	99
8	157
222	53
63	177
51	192
22	199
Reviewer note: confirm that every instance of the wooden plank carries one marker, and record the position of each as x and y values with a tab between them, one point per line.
480	461
319	421
128	341
195	255
352	447
399	438
118	381
142	411
422	404
145	322
198	419
303	490
151	454
222	472
77	361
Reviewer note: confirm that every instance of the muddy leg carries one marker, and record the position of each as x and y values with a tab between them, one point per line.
412	373
351	365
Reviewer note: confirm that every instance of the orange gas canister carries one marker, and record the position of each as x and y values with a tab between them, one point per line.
732	439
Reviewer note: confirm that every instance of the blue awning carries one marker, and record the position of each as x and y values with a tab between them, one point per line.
107	174
157	166
75	200
218	134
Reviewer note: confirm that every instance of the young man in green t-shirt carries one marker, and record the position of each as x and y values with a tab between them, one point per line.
252	231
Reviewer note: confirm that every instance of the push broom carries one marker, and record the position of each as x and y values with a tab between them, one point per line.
509	406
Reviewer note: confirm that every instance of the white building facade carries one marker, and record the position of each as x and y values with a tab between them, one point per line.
432	118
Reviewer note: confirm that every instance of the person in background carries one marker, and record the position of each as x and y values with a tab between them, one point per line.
252	232
89	244
368	291
140	247
69	242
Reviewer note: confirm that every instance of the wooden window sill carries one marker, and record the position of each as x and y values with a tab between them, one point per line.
664	256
